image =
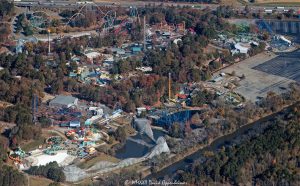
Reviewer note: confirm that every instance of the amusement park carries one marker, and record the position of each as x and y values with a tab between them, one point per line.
112	89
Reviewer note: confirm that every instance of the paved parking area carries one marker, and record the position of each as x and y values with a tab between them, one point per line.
258	83
285	65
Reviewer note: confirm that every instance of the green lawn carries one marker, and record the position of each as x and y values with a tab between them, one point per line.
39	181
33	144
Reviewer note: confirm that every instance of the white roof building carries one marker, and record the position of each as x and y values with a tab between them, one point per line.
144	69
241	48
285	40
92	55
177	40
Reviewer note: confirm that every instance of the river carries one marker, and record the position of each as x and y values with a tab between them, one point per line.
238	136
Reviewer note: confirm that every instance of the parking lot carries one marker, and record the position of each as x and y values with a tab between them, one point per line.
286	65
257	83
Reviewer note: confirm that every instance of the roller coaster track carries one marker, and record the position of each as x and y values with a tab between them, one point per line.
106	15
73	17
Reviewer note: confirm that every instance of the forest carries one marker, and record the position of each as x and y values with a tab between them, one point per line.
271	158
10	176
6	11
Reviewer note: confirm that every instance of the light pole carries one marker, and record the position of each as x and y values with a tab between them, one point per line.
49	50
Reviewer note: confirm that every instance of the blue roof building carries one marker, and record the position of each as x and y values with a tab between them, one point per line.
72	74
136	49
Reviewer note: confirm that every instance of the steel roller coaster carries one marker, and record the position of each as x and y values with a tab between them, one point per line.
108	18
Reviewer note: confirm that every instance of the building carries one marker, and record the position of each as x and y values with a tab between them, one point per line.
177	40
96	113
72	74
241	48
74	124
136	49
92	55
118	51
166	34
144	69
63	101
285	40
140	110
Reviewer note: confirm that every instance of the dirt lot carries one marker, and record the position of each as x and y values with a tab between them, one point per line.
257	83
277	1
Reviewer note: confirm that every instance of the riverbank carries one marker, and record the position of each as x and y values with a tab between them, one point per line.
181	156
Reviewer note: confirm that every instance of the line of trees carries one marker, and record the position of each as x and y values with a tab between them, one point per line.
50	170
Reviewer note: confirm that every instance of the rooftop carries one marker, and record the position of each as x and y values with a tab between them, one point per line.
92	55
63	100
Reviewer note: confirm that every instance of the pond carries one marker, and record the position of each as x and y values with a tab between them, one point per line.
132	149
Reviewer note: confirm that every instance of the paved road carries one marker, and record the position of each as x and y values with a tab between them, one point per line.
70	4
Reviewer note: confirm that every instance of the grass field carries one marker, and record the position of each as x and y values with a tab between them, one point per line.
32	144
39	181
232	2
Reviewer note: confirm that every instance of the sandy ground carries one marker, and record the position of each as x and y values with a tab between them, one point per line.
257	83
62	158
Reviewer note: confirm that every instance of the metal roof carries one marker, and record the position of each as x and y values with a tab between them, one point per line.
63	100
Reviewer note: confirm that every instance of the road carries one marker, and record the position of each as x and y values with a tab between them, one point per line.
71	4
